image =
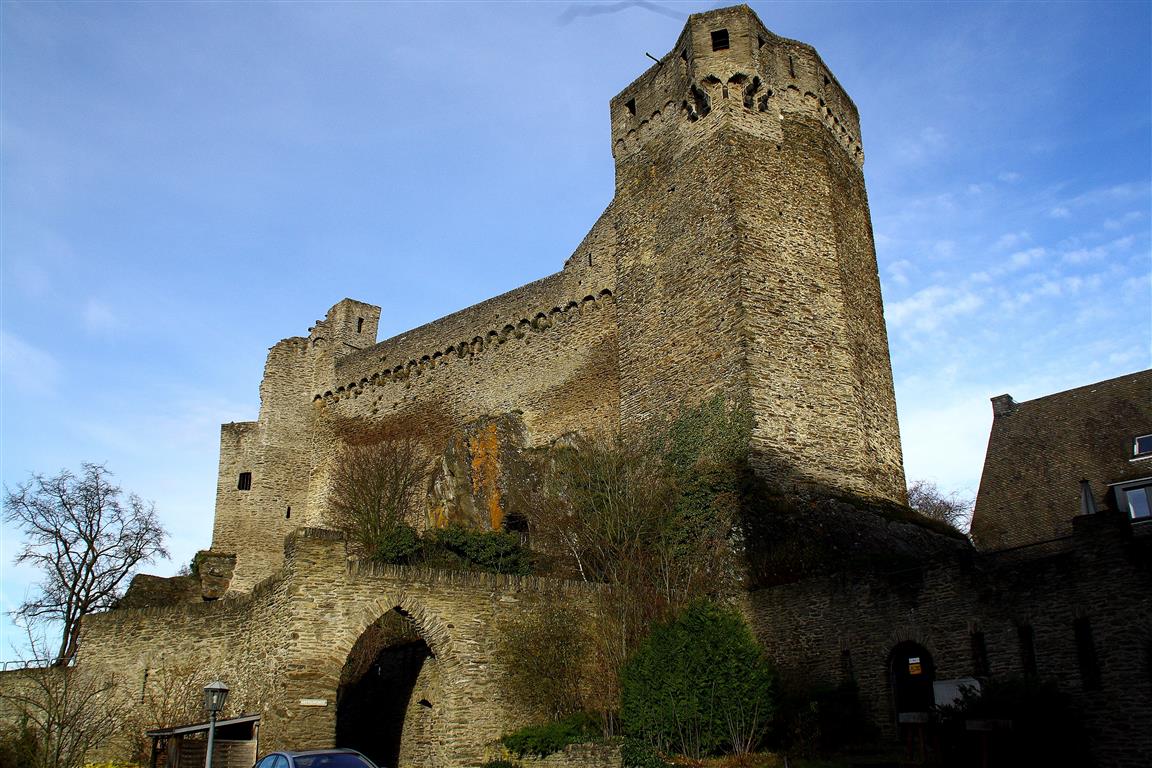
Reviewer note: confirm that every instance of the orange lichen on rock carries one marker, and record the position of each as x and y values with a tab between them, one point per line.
485	450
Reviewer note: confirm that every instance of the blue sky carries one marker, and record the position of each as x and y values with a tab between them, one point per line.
184	184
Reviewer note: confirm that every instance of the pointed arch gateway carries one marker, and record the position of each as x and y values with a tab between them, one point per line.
392	703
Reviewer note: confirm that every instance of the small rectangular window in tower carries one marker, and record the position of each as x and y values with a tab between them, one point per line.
720	40
245	482
631	104
1086	653
359	324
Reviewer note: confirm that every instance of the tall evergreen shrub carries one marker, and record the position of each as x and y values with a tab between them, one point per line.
698	685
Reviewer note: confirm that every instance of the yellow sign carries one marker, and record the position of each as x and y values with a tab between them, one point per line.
914	668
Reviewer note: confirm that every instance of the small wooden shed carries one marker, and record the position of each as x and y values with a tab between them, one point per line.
234	746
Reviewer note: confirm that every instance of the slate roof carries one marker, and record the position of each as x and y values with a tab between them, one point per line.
1040	450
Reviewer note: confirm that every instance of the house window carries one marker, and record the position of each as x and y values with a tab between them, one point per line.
1142	447
1135	498
245	482
720	40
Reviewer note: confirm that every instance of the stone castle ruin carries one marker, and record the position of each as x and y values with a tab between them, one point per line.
736	260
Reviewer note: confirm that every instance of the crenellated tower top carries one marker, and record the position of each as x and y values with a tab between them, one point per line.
727	68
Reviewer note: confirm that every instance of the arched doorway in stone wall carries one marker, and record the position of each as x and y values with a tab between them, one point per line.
912	673
388	695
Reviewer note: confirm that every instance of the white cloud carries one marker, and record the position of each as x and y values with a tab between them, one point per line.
926	309
26	367
99	319
1021	259
927	143
1011	240
1009	177
1059	212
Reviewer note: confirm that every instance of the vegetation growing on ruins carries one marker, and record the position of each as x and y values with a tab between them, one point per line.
698	685
374	485
952	509
65	712
86	539
545	654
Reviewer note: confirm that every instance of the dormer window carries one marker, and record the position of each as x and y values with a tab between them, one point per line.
1135	498
720	40
1142	447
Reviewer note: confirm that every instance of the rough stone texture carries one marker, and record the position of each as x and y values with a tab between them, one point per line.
289	639
1039	451
735	258
1101	574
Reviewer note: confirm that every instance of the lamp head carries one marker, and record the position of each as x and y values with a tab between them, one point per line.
214	696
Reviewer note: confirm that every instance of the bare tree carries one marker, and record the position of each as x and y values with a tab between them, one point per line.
952	509
68	711
616	512
374	487
85	540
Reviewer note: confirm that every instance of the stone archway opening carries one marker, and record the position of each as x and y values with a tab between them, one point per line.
385	703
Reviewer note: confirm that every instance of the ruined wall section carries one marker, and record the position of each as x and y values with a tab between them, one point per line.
545	352
310	617
744	226
276	450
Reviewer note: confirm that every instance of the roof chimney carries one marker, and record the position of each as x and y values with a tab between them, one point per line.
1003	405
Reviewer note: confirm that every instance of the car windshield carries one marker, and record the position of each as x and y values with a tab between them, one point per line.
331	761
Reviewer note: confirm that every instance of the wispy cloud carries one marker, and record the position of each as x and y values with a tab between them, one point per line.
26	367
926	309
99	319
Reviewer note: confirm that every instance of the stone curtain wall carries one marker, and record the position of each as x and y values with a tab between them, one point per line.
289	639
1100	574
276	449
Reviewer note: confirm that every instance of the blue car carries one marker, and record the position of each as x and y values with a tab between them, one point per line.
315	758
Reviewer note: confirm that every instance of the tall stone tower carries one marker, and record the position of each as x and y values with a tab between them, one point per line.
745	258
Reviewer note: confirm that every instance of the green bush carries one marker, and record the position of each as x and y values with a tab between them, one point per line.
698	685
500	764
640	754
399	545
493	551
543	740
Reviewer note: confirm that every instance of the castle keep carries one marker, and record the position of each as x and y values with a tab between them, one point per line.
736	258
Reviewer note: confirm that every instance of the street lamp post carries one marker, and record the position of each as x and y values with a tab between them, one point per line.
214	696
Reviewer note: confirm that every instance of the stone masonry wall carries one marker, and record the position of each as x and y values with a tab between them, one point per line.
822	629
287	642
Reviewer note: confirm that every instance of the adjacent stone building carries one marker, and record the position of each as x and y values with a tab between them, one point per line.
1056	457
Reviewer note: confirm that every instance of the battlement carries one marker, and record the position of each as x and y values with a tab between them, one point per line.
727	67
